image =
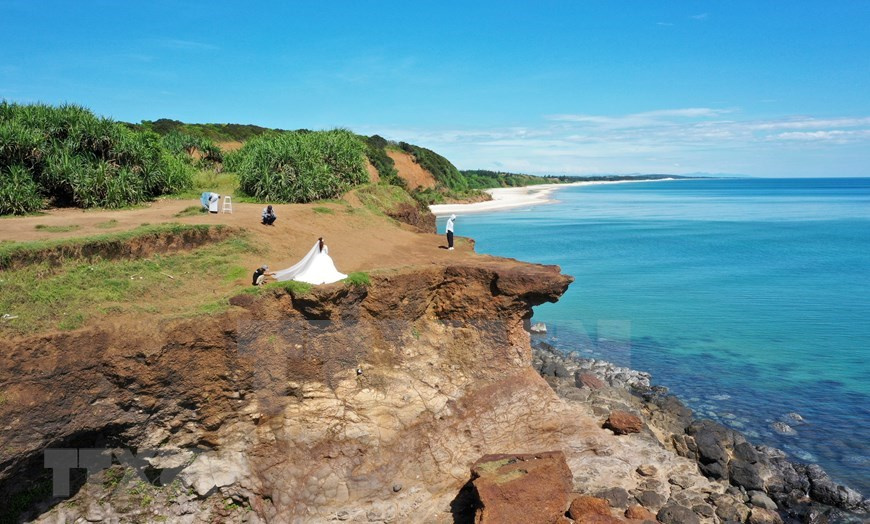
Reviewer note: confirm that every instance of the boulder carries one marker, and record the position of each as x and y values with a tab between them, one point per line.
764	516
676	514
636	512
616	497
521	488
744	474
588	380
623	423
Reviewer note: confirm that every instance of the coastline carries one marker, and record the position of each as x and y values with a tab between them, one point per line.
513	197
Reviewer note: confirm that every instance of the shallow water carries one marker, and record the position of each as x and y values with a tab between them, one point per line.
749	298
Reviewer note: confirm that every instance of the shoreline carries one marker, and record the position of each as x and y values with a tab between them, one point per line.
513	197
796	489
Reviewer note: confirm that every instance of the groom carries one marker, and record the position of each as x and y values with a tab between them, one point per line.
450	232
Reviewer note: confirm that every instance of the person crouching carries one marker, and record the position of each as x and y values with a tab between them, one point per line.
269	217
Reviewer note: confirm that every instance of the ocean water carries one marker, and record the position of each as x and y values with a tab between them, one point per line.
748	298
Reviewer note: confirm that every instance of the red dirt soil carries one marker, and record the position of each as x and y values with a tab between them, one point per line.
411	172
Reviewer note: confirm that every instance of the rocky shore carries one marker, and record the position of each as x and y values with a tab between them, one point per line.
745	482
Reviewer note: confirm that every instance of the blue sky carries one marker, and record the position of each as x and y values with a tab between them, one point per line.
760	87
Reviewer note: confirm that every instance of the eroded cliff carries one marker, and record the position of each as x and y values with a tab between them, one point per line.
344	401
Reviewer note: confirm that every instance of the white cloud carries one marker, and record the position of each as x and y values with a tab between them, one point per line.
187	45
696	139
701	16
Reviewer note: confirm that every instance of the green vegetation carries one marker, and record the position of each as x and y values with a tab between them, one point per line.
383	199
358	279
300	167
183	144
294	287
68	295
67	156
324	210
212	132
376	151
57	229
191	211
444	172
10	251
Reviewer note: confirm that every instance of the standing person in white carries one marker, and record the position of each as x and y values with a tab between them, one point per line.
450	232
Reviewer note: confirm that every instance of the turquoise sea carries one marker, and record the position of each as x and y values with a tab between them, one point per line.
748	298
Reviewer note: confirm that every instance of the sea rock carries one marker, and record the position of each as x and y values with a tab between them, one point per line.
623	423
521	488
588	380
824	490
744	474
764	516
761	500
538	327
676	514
783	429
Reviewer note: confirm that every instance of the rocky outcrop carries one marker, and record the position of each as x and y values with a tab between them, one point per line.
521	488
300	407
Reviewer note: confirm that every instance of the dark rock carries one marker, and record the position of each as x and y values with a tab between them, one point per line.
651	499
715	470
730	509
588	380
548	369
617	497
705	510
561	371
744	474
623	423
746	451
761	500
824	490
676	514
397	488
712	440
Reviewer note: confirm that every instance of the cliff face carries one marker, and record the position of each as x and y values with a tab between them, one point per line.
344	402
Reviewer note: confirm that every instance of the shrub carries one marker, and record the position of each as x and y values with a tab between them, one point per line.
301	166
72	157
358	279
18	192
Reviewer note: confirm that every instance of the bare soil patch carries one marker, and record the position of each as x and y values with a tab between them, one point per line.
411	172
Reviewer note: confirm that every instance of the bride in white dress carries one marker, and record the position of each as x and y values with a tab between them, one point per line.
316	267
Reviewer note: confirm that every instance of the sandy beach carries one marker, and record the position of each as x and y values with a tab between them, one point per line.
512	197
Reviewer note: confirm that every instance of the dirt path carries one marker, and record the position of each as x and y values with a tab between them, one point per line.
358	239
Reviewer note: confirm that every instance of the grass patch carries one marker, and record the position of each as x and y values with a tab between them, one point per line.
234	273
225	183
57	229
191	211
10	251
324	210
358	279
383	199
69	295
109	224
294	287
